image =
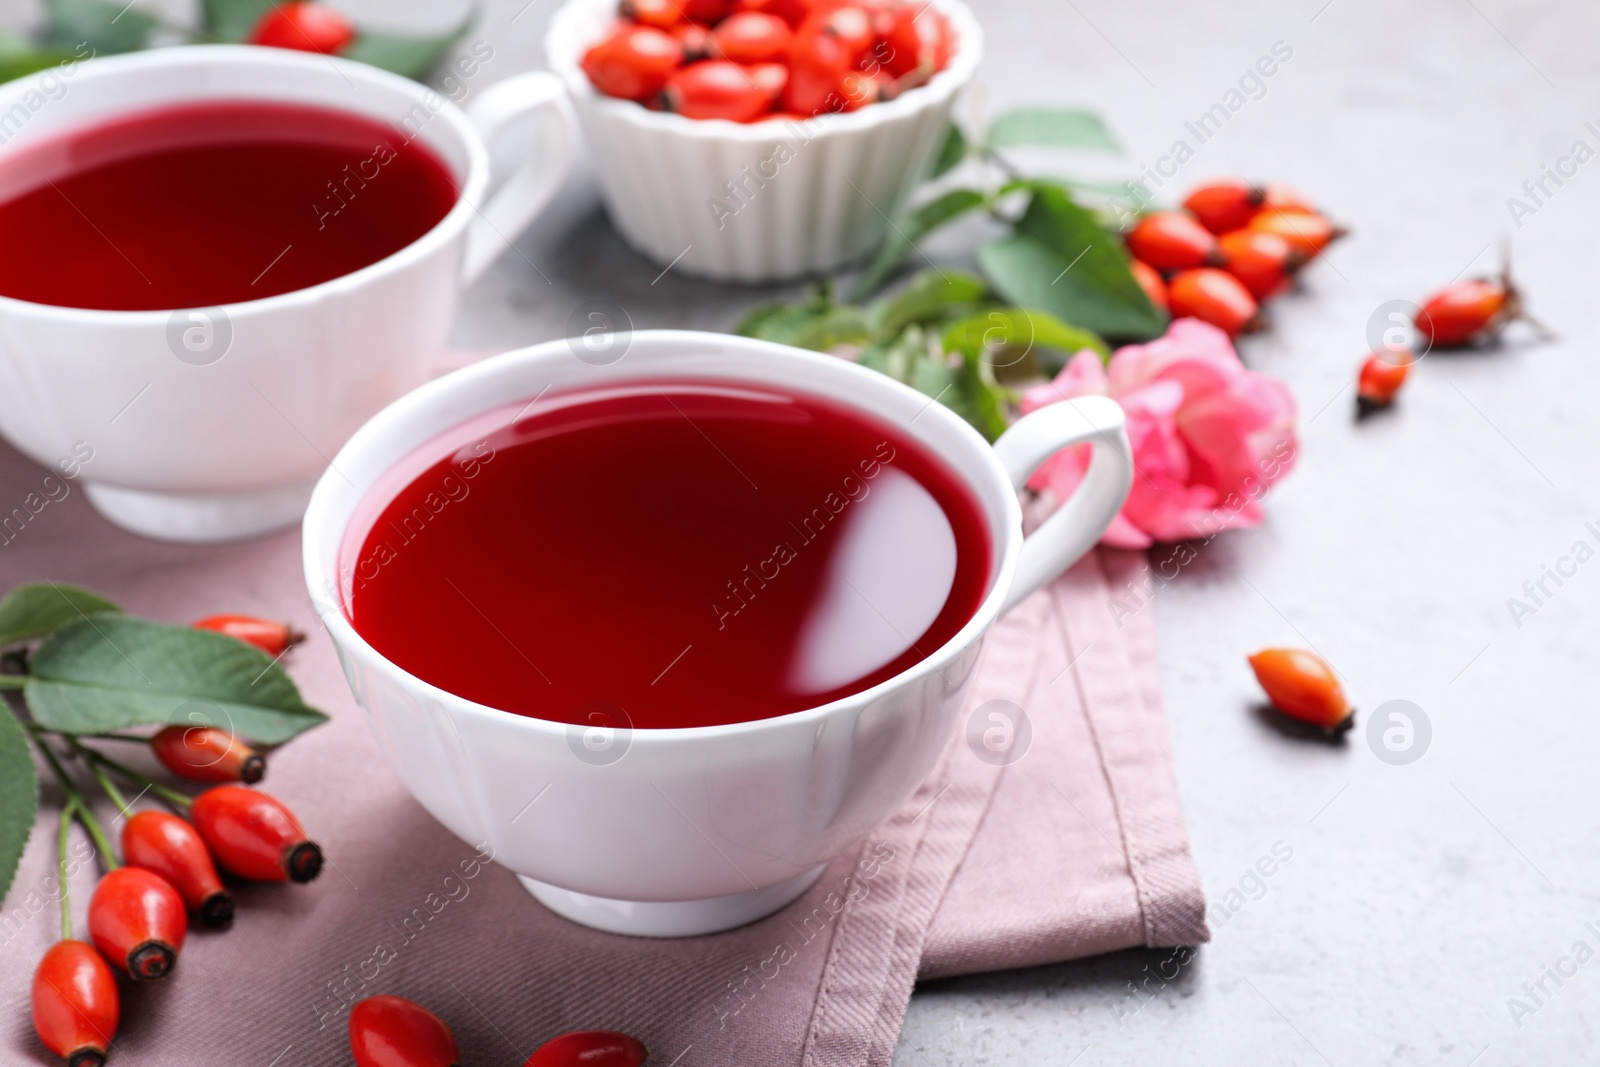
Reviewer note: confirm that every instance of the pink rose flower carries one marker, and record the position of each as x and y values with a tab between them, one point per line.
1209	437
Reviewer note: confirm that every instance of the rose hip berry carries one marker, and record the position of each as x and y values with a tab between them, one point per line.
1149	280
1225	204
1213	296
589	1048
633	63
661	14
1302	686
716	89
848	24
207	754
137	922
1171	240
273	638
168	846
918	39
1307	232
75	1003
254	836
1382	375
752	37
1468	312
708	12
817	69
1264	262
388	1031
304	27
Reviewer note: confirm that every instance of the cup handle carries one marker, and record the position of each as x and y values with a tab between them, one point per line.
1075	527
529	188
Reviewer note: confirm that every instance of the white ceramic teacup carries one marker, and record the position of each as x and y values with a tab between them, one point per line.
214	423
686	831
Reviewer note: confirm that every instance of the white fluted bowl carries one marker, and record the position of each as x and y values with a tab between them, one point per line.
764	201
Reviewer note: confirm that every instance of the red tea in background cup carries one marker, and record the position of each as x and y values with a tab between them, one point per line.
211	203
686	553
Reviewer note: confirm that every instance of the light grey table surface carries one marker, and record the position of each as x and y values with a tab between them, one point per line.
1417	899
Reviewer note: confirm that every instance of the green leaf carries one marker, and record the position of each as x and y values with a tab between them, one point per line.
232	20
1060	260
35	609
904	235
779	323
845	324
413	57
951	152
931	296
19	59
1018	344
1009	328
103	26
19	797
1052	127
111	671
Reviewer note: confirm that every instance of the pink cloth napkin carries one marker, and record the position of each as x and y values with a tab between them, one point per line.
1074	849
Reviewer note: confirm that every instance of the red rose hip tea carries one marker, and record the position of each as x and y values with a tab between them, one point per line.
686	553
195	205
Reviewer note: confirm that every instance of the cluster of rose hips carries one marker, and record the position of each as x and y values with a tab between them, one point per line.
139	912
1459	315
387	1031
1235	245
750	60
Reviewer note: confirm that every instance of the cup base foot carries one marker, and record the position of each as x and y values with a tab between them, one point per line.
199	518
674	918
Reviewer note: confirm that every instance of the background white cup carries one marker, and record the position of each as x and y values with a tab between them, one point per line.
687	831
212	424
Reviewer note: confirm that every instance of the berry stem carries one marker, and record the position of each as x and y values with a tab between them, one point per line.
100	776
171	796
13	681
69	810
75	798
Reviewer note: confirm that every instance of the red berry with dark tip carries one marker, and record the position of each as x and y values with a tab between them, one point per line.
138	922
1225	204
254	836
166	845
1264	262
634	62
1171	240
207	754
75	1003
1213	296
273	638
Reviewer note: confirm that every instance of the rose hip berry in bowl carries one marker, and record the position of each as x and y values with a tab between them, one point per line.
758	140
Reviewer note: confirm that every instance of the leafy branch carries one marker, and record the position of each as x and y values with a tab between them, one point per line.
82	668
1058	282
